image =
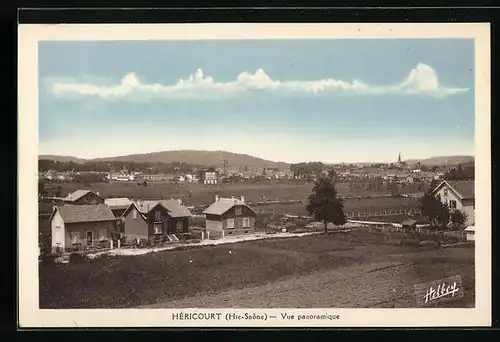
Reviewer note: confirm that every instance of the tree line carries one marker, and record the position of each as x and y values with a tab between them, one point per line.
45	165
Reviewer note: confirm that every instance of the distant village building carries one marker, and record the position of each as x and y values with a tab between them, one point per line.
210	178
458	195
229	216
79	197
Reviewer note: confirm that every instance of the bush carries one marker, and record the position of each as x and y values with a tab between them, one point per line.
428	243
48	258
76	257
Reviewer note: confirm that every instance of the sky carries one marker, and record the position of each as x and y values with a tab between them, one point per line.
330	100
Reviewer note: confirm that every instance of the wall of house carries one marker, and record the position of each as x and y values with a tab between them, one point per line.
76	233
468	207
89	198
135	228
213	225
58	231
172	227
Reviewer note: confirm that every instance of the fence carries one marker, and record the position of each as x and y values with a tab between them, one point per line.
386	212
420	231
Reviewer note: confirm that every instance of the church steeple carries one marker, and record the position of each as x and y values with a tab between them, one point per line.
399	158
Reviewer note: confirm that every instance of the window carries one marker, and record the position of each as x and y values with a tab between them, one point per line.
157	216
134	214
103	235
180	226
237	211
246	222
230	223
158	229
75	238
453	204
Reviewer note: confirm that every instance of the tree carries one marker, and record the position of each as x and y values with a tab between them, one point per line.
394	189
458	219
437	213
324	203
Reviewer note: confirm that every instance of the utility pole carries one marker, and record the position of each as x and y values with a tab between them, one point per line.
224	163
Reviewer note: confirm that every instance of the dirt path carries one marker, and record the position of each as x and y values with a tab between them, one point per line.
386	284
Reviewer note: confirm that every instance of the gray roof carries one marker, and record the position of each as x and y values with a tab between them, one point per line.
74	196
223	205
174	208
409	222
464	188
85	213
118	202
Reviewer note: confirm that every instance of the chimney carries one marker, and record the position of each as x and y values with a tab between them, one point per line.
97	193
217	198
243	198
180	201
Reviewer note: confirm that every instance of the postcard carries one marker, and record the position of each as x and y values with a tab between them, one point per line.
254	175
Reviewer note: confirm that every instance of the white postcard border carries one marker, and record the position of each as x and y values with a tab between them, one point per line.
31	316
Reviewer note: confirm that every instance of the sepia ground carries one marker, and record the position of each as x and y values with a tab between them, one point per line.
375	284
358	269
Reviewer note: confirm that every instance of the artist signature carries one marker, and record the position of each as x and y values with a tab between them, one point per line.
443	289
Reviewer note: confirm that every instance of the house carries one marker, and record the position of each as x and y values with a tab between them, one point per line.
409	224
458	195
154	219
79	226
210	178
83	197
118	205
470	233
229	216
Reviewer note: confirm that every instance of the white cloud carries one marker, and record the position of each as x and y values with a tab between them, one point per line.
422	79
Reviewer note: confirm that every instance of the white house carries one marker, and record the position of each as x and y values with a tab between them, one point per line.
458	195
210	178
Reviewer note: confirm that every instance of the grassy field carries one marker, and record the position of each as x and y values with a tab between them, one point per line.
200	194
362	205
199	274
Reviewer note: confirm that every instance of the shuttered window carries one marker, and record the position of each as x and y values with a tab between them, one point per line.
230	223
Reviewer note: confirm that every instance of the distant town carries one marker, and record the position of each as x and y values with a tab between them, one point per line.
399	172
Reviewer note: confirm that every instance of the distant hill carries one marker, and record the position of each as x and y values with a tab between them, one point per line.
64	159
443	160
193	157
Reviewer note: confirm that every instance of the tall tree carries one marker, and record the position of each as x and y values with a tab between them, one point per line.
324	203
458	219
437	213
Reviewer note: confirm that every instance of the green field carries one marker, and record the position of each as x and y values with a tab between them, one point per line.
200	194
203	275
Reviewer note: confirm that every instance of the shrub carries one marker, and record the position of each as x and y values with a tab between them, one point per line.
76	257
48	258
428	243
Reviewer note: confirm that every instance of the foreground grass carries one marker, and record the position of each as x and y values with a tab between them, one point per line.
120	282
